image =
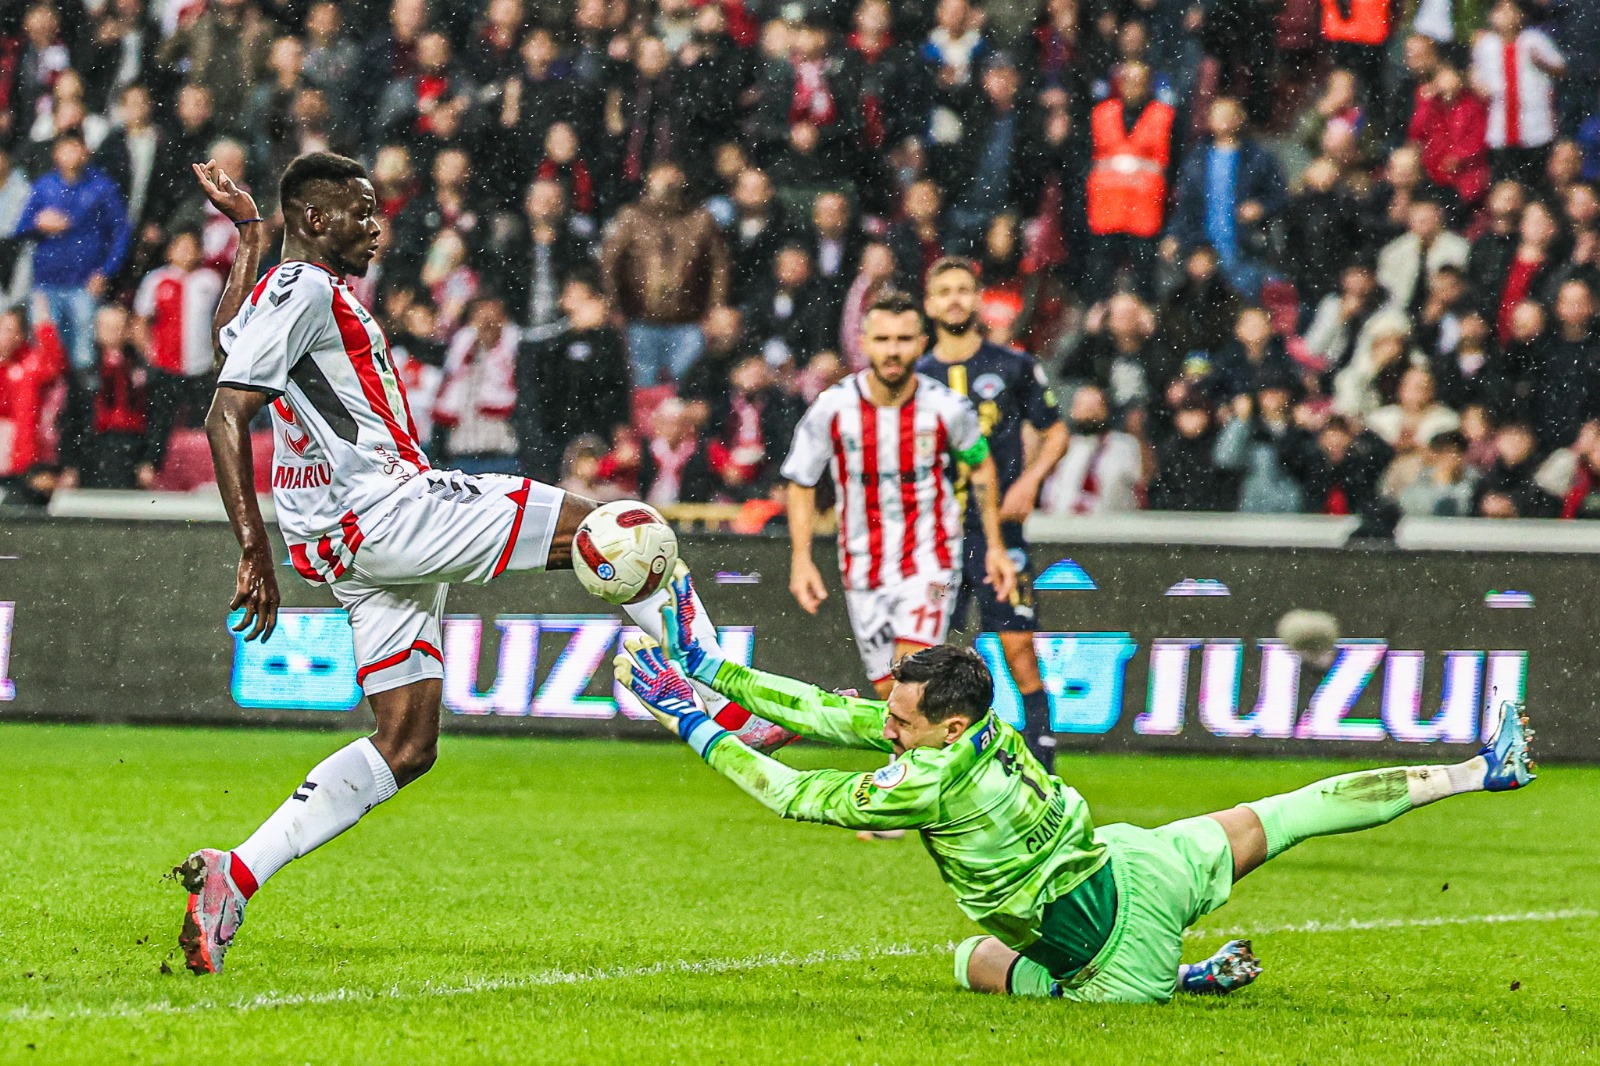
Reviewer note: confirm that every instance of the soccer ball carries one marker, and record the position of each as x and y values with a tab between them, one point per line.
623	551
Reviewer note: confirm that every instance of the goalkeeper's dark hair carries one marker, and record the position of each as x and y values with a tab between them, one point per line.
956	681
295	187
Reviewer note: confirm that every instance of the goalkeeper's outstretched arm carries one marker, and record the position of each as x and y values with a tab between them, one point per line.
903	795
815	713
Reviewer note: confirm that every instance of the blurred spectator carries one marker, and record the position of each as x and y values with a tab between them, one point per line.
709	383
1254	349
1248	445
572	382
1127	188
1104	470
1187	476
1529	269
430	101
543	250
759	229
1323	231
1374	370
478	395
580	470
672	463
451	281
1567	390
1415	417
1474	373
834	246
1510	488
1340	327
1450	124
142	158
111	452
665	267
916	239
1514	68
789	316
1405	262
29	364
1447	485
1341	466
224	49
1116	353
16	256
174	307
449	205
331	56
1229	194
877	273
76	216
748	436
1199	315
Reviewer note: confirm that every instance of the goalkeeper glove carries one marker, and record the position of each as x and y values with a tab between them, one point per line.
677	631
661	687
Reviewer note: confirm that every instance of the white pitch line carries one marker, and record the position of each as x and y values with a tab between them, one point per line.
548	978
1358	924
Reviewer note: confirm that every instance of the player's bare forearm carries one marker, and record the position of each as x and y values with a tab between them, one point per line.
805	580
812	712
228	430
241	280
983	482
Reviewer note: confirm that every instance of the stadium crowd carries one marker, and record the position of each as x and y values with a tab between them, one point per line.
1325	256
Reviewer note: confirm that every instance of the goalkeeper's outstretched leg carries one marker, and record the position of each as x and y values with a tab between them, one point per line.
1168	878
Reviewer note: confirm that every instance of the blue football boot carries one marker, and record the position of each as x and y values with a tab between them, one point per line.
1509	765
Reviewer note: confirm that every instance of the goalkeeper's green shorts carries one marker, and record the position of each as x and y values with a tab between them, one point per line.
1167	879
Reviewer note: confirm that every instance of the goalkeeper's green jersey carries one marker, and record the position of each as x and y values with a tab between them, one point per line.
1008	837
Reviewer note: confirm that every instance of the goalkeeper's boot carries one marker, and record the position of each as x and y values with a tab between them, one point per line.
1230	969
1509	765
216	909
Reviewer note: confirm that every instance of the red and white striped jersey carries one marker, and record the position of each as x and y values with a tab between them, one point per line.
177	305
343	437
898	512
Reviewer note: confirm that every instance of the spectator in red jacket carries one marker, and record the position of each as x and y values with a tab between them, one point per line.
1451	125
28	367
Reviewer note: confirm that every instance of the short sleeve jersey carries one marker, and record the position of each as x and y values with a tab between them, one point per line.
342	433
1008	388
898	514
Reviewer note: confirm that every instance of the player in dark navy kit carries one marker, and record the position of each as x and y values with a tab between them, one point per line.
1009	390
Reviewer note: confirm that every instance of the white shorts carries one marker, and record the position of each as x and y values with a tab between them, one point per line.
913	611
445	527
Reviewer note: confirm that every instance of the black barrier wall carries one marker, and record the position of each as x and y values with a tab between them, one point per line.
1143	647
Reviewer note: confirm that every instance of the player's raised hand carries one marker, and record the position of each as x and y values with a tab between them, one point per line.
256	590
665	692
1000	572
227	197
677	629
805	582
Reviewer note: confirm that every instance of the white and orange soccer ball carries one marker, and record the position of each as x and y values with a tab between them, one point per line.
624	551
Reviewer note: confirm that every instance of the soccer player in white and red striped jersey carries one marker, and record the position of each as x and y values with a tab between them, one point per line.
173	308
362	511
891	438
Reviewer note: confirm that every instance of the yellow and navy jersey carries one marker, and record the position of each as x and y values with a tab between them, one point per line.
1008	388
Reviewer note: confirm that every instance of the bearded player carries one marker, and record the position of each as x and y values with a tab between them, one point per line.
1068	910
891	438
1009	391
362	511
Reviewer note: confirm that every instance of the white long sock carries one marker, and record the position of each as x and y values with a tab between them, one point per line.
1428	784
646	614
751	728
335	794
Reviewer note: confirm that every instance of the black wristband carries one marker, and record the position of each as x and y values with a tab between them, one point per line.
247	221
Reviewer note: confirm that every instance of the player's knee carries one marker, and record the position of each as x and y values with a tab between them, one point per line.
982	963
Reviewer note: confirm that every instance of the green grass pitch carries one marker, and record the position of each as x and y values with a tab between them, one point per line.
607	902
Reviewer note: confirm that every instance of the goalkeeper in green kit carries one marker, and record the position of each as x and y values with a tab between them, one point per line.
1070	910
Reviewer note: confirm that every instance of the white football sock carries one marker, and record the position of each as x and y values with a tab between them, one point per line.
335	794
1428	784
646	614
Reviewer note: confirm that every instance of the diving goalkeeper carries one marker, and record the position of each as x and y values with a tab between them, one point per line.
1070	910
